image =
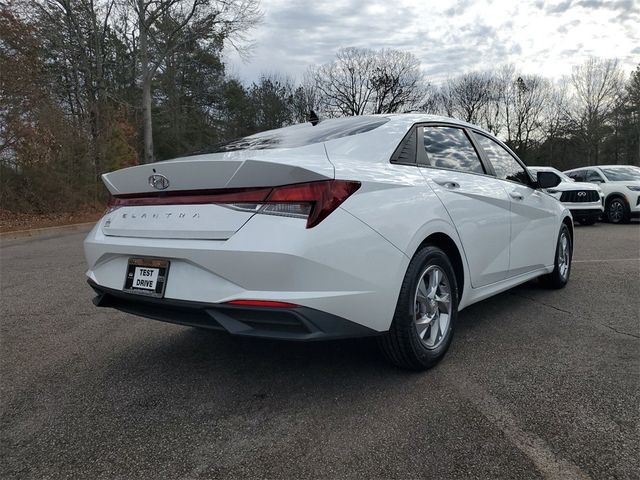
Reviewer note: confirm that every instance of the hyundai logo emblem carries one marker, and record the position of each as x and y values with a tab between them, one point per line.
159	182
582	194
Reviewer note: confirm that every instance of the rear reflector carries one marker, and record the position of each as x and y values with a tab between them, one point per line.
262	303
314	200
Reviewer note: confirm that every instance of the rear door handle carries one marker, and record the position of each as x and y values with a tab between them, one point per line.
448	184
516	195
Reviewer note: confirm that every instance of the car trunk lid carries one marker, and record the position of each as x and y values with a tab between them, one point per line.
177	198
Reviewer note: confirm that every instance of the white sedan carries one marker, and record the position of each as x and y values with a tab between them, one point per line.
372	225
584	200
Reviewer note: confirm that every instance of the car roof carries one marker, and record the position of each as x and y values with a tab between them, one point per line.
598	167
396	119
336	130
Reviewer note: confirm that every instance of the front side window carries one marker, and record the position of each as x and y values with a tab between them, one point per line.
449	147
506	167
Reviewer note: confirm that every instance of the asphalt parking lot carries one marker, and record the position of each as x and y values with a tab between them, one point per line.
537	384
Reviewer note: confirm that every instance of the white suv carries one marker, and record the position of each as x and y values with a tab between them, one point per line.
584	200
620	185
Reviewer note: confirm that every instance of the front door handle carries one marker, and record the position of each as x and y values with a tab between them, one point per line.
448	184
516	195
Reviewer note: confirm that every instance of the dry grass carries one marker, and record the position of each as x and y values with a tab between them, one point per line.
13	221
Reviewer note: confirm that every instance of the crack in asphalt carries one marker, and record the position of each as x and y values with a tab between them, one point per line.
572	314
551	465
535	300
618	331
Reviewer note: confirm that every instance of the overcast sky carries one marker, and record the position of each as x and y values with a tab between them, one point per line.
448	37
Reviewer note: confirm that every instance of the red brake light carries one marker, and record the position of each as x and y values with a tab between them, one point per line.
263	303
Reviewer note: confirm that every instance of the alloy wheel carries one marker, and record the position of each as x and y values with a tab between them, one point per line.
432	307
564	255
616	211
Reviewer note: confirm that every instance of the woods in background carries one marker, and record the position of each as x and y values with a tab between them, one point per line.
88	86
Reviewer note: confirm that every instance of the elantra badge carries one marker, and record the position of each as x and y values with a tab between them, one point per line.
159	182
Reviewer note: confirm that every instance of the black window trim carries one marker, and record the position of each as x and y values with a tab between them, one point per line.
421	159
400	147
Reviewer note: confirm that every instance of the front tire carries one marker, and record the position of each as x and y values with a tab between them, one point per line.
617	211
425	316
564	254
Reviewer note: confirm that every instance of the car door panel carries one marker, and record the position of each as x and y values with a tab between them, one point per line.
479	208
533	214
476	202
533	229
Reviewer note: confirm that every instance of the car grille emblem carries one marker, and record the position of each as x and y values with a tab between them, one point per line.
582	194
159	182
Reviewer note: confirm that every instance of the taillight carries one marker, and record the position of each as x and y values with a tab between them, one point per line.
313	201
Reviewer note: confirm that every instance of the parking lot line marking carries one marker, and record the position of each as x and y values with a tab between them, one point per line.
610	260
535	448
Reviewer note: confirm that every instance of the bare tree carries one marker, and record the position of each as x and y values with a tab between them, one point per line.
597	84
344	85
467	95
529	96
361	81
397	82
163	26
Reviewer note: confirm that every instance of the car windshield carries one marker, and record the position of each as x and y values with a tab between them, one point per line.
621	174
301	135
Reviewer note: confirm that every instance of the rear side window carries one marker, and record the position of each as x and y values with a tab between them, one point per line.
593	176
449	147
506	167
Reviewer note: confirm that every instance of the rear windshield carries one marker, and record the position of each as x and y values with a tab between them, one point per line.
302	134
622	174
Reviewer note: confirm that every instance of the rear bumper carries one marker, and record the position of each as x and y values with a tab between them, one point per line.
300	323
341	267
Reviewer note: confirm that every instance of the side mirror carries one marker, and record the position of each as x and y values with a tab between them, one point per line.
548	180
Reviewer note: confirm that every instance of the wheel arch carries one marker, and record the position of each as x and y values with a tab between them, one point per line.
449	246
614	195
569	223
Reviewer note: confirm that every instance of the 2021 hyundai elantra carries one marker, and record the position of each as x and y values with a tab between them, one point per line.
372	225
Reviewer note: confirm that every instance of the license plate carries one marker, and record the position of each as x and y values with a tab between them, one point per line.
146	276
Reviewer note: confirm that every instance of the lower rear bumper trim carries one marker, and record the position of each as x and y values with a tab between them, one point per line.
298	324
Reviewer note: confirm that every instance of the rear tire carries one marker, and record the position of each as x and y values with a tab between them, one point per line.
426	313
564	254
617	211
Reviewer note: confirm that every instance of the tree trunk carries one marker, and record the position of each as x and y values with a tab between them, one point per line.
146	86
